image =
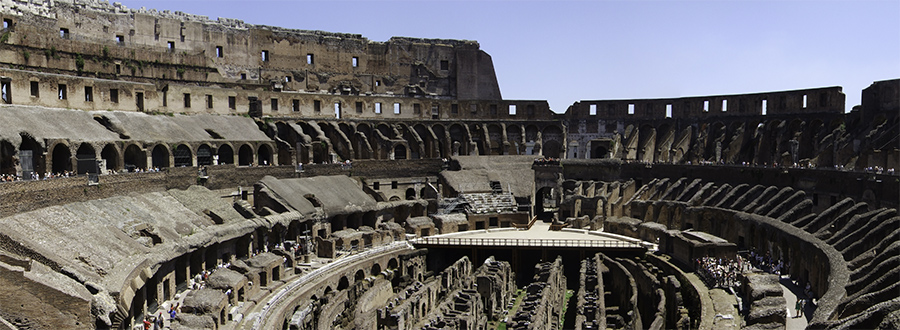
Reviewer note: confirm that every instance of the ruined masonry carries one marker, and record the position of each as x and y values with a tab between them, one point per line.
254	177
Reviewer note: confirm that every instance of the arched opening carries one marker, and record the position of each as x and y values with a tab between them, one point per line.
86	159
376	269
111	156
427	192
551	149
360	275
31	155
61	158
399	152
7	152
204	155
135	158
459	140
514	137
600	152
264	155
226	154
343	283
410	194
284	154
183	156
160	156
245	155
392	263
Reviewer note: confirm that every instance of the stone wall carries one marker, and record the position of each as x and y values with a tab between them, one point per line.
30	195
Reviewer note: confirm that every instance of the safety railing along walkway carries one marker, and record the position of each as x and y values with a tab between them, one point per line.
527	242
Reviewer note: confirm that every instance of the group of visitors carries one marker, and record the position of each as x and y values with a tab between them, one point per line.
768	264
721	273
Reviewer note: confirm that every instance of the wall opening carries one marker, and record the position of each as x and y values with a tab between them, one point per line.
88	94
295	105
804	101
378	107
593	110
355	62
668	111
6	91
396	108
187	100
114	95
445	65
310	59
219	52
764	105
631	109
265	55
705	106
359	107
139	100
63	92
35	90
232	102
337	110
512	109
209	101
724	105
274	106
317	106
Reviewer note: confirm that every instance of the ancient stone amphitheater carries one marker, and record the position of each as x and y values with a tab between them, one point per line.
256	177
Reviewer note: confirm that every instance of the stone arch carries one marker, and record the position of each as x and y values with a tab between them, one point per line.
400	151
442	146
427	193
495	139
392	263
359	276
428	141
343	283
38	163
86	151
226	154
459	140
111	155
183	156
514	137
339	144
476	134
204	155
245	155
376	269
61	158
264	155
386	130
415	150
551	149
134	158
7	158
410	194
160	156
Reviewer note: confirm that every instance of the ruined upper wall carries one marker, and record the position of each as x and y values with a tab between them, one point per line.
229	50
801	101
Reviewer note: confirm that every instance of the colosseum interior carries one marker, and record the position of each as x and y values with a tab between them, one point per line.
212	174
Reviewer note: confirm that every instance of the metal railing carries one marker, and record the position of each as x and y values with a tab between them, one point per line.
582	243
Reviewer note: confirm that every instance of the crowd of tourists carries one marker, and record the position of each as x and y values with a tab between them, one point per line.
721	273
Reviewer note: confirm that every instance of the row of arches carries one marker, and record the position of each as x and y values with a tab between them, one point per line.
80	158
324	141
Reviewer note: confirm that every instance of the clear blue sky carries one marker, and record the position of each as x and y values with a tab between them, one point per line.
565	51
